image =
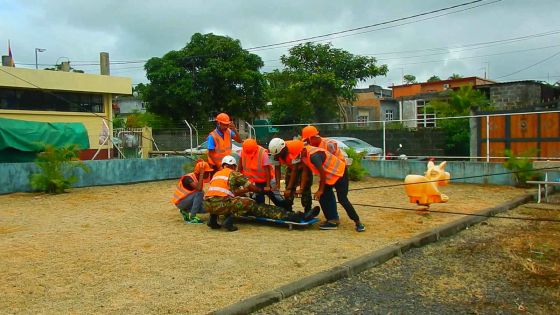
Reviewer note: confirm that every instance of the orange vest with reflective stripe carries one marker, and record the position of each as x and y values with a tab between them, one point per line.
294	149
219	185
325	146
222	147
334	167
181	191
253	168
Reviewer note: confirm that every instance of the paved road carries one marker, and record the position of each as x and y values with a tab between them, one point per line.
482	270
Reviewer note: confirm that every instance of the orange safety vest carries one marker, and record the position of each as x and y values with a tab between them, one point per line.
294	149
334	167
181	192
325	146
222	147
253	168
219	185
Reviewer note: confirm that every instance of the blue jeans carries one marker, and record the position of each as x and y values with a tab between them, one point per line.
328	201
192	203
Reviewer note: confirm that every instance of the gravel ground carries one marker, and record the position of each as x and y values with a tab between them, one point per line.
498	267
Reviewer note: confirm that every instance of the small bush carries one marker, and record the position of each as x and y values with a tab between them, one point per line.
56	165
522	167
356	171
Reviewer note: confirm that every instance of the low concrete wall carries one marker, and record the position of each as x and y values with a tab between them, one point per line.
14	177
398	169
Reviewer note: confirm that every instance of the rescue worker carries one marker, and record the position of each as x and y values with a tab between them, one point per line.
332	174
287	153
219	140
189	192
310	134
254	163
225	197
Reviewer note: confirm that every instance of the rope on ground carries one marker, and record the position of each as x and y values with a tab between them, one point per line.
461	213
454	179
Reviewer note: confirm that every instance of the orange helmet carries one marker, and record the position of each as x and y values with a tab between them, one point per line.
223	118
202	166
250	146
308	132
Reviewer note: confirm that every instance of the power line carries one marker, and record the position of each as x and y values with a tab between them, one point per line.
489	43
367	26
537	63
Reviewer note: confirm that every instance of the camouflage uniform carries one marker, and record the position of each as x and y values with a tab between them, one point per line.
239	205
306	198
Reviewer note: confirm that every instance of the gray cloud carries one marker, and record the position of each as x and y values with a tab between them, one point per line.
138	30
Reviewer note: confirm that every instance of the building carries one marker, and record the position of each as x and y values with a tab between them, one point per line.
520	94
372	104
413	98
59	96
126	105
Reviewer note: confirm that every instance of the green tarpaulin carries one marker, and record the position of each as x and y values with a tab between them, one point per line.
20	140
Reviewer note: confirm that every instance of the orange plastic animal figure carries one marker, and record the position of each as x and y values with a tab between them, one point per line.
423	190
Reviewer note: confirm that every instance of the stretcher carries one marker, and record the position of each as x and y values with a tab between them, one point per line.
290	224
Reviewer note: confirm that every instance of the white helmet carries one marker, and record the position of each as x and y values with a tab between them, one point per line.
276	145
230	160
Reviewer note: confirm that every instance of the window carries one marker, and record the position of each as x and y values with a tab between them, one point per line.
424	119
363	117
23	99
388	114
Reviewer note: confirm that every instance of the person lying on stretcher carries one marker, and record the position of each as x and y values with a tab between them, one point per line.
226	197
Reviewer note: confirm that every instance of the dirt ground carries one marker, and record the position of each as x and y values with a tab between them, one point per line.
501	266
125	249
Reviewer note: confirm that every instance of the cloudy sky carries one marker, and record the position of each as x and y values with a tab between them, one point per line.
506	40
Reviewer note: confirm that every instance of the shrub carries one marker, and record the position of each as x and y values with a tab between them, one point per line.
56	165
356	171
522	167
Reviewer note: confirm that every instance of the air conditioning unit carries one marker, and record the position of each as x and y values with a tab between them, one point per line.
446	86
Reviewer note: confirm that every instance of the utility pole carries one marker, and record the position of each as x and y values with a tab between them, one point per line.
36	60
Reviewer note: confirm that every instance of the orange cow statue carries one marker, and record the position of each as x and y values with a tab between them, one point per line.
423	190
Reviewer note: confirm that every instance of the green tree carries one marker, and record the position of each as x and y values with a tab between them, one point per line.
434	78
409	79
289	104
315	80
455	76
458	102
210	74
139	120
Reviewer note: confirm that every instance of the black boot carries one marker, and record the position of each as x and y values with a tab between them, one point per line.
312	213
213	222
228	223
294	217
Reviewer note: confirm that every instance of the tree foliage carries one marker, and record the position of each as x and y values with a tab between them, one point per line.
314	81
409	79
210	74
147	119
434	78
458	102
455	76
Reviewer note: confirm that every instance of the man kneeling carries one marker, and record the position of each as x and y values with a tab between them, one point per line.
224	197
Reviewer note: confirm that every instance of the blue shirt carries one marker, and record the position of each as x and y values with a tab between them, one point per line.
211	144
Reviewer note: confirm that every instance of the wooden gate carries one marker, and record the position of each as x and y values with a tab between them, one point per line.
529	134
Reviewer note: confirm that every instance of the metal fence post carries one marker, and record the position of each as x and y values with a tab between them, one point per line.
384	143
487	138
